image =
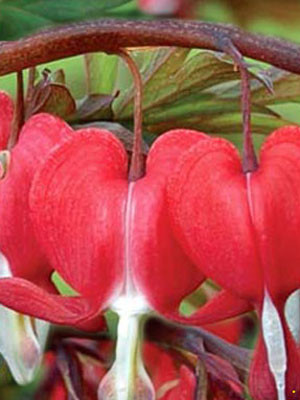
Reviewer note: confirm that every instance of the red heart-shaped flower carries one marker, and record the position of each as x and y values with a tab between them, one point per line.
243	229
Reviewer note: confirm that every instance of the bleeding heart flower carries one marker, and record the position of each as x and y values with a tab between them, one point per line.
23	339
27	261
86	213
108	238
243	232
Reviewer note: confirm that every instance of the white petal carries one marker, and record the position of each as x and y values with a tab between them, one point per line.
22	338
275	343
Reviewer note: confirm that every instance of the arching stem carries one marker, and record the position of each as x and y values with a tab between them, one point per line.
137	166
19	112
249	163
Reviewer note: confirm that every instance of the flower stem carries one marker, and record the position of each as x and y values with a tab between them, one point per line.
137	166
249	158
19	112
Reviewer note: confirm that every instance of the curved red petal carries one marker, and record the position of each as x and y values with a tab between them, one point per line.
261	381
222	306
161	269
6	118
77	203
17	239
27	298
210	214
166	150
275	192
186	388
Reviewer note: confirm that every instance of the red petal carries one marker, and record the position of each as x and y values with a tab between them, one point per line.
222	306
162	271
170	381
275	190
160	364
261	381
78	200
27	298
186	388
210	214
6	118
166	150
243	231
17	240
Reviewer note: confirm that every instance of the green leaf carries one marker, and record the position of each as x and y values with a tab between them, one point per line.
286	87
158	68
58	101
201	90
62	286
65	10
50	95
15	23
21	17
94	107
101	72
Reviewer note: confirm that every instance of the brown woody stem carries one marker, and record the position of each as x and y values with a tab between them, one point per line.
137	166
249	162
19	114
111	35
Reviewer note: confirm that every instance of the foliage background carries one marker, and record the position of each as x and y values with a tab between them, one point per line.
197	89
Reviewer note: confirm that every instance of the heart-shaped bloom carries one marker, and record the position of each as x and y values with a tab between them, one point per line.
243	232
23	339
108	238
104	235
27	262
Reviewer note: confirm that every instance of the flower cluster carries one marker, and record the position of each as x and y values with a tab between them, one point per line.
141	246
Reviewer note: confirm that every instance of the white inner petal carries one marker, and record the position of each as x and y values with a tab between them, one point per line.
21	348
128	379
292	314
275	343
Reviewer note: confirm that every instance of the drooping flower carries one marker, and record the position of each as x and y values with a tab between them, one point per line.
243	231
23	339
112	240
108	238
